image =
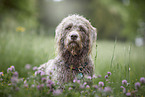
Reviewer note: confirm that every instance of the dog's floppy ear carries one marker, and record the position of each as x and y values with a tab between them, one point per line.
93	33
58	31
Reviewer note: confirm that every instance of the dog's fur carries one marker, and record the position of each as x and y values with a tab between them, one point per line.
74	36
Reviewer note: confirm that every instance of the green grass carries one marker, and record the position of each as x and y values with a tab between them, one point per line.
21	48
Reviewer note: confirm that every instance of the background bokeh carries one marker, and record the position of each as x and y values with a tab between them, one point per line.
124	19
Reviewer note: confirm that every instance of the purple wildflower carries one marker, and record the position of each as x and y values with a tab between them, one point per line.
50	82
78	81
15	74
107	90
94	76
14	79
87	86
9	70
26	85
99	76
81	86
43	79
70	88
124	82
40	72
57	92
95	86
124	90
13	68
32	85
85	83
109	73
101	84
121	87
42	85
1	73
137	85
39	87
142	80
89	77
106	77
74	80
28	66
128	94
34	68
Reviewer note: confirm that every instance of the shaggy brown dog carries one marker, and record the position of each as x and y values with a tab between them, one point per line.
74	36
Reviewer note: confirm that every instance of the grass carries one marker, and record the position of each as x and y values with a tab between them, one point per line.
123	60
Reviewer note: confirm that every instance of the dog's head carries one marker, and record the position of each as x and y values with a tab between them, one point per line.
75	34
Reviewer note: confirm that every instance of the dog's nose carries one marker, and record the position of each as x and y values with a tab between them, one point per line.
74	36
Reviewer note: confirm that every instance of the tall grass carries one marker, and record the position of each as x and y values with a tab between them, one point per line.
21	48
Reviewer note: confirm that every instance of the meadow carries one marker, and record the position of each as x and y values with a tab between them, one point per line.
25	50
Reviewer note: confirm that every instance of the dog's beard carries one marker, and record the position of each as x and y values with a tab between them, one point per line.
74	47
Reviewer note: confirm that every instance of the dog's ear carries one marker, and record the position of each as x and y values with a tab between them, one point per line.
58	31
93	33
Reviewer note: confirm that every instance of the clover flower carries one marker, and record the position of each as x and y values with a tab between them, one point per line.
95	86
74	80
101	84
1	74
109	73
43	79
28	66
13	68
78	81
32	85
106	76
99	76
9	70
89	77
94	76
128	94
39	87
70	88
40	72
142	80
34	68
87	86
15	74
85	83
50	82
124	90
82	86
107	90
57	92
137	85
124	82
26	85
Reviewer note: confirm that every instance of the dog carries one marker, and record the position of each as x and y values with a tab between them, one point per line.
74	39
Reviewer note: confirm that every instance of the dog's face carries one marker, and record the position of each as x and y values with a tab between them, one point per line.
75	34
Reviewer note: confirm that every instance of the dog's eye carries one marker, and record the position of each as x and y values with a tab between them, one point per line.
82	29
68	28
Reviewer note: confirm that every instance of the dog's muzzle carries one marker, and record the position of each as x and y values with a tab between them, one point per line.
74	36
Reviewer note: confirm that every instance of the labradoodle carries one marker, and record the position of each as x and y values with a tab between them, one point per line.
74	37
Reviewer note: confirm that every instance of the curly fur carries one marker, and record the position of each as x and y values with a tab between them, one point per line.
72	52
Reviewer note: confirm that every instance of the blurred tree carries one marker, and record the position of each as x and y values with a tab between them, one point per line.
18	10
108	22
136	19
